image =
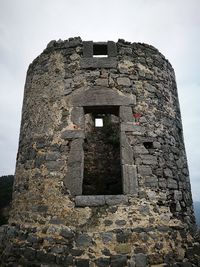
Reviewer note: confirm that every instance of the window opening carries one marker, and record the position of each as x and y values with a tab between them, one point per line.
98	122
100	50
148	145
102	163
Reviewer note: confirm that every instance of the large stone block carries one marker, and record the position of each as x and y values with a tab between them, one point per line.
144	170
130	183
151	181
149	159
118	260
88	49
72	134
77	116
74	177
101	96
140	260
100	200
132	127
116	199
124	81
126	114
94	63
126	150
90	201
112	49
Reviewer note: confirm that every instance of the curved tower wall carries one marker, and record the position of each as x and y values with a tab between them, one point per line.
67	87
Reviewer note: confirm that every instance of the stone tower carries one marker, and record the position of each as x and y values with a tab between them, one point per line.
101	176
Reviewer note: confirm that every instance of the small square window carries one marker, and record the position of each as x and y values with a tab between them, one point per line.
100	50
98	122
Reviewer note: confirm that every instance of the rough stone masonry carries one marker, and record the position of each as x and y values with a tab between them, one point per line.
115	194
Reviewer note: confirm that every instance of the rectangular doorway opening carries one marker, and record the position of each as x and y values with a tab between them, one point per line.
102	163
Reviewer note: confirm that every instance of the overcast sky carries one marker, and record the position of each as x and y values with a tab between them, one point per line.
172	26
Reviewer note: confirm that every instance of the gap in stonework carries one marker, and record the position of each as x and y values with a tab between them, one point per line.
102	163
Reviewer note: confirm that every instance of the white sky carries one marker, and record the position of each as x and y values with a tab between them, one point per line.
172	26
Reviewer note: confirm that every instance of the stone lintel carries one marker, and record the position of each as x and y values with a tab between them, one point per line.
101	96
94	63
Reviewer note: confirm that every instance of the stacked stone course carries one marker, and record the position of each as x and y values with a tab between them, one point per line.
51	222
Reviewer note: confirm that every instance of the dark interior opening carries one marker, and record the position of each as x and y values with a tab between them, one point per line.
100	49
102	164
148	145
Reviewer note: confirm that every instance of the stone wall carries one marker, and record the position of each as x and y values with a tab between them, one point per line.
52	223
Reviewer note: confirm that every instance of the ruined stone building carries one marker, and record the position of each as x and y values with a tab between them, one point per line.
101	176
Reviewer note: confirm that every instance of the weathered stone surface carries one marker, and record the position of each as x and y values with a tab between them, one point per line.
66	233
90	201
145	170
140	149
30	253
102	82
112	49
132	127
116	200
52	156
118	261
126	150
72	134
120	222
145	223
45	257
103	262
124	81
126	114
77	116
123	237
123	248
130	182
101	96
107	237
171	183
58	250
83	240
64	260
93	201
82	263
151	181
140	260
74	177
149	159
108	222
168	173
94	63
88	49
55	165
125	66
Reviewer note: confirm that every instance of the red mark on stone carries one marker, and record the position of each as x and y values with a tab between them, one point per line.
137	115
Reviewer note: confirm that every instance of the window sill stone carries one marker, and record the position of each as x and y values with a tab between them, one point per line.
100	200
